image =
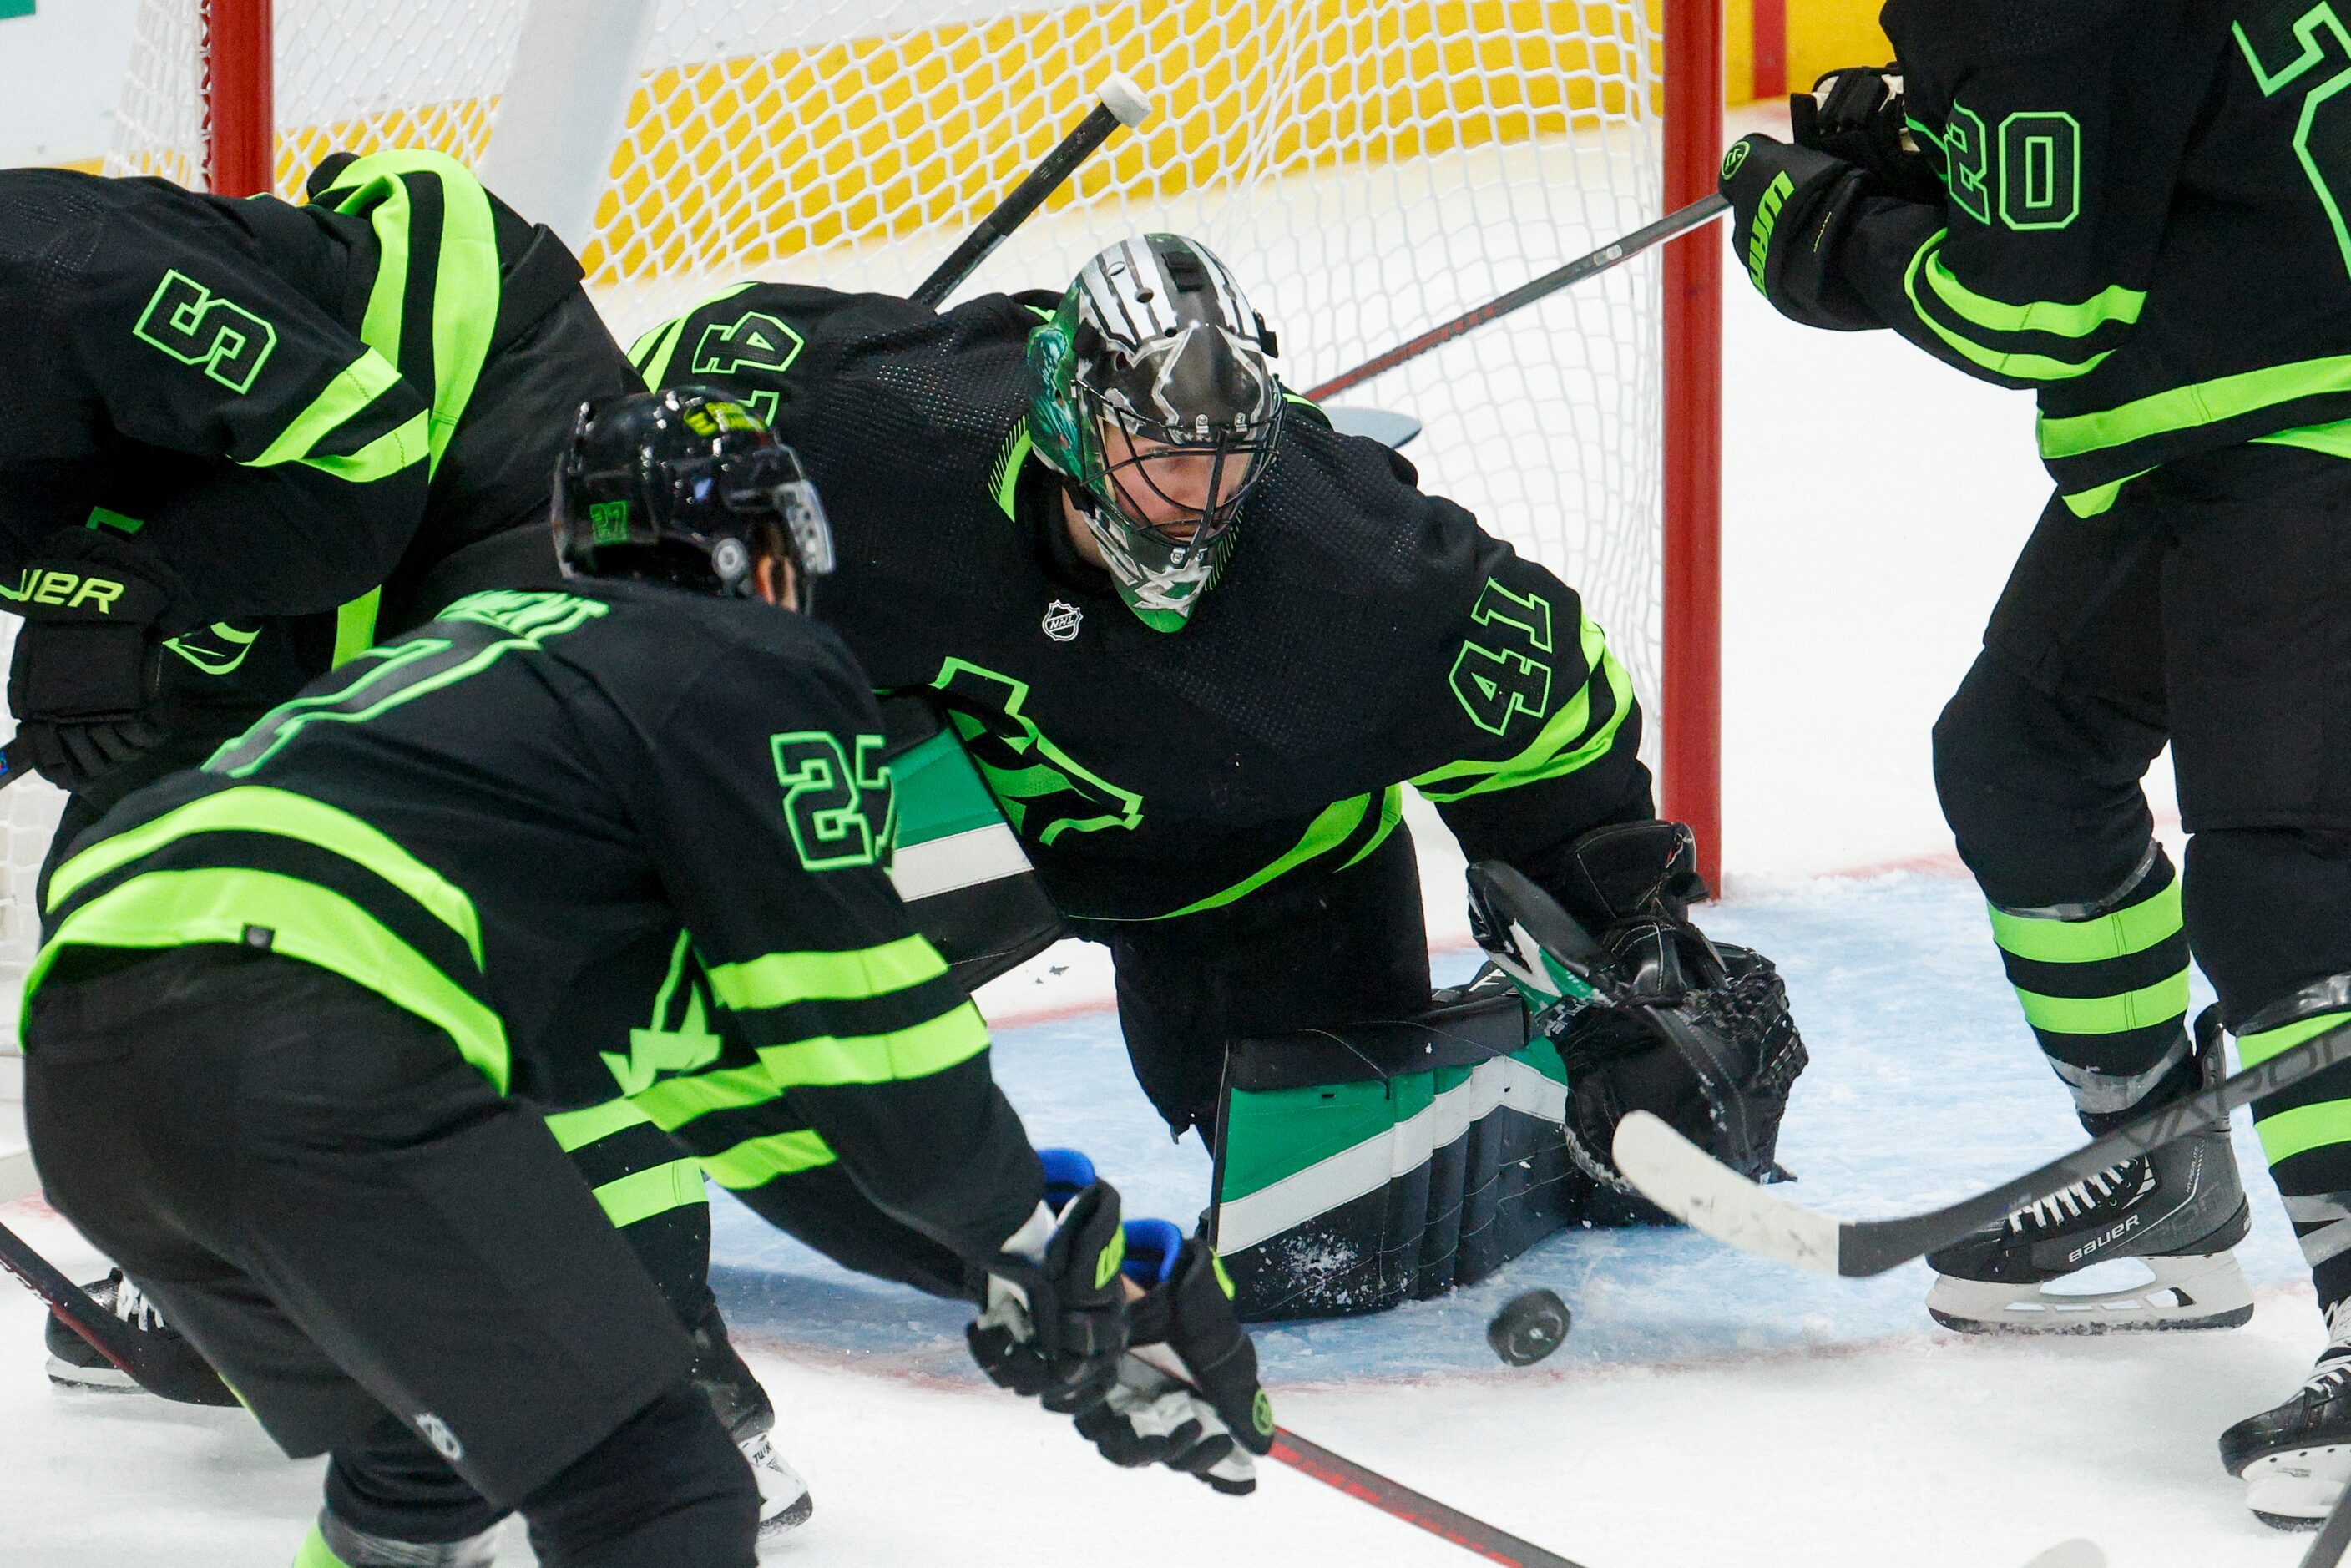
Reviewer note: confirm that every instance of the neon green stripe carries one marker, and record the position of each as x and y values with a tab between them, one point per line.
1391	813
760	1160
674	1102
641	1195
1326	833
2332	440
185	908
2057	319
2184	408
578	1129
2100	501
351	392
355	626
257	809
778	979
825	1061
2158	1003
387	455
2024	367
2116	935
2252	1049
316	1554
1543	757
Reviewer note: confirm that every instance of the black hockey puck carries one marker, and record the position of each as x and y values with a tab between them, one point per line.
1529	1327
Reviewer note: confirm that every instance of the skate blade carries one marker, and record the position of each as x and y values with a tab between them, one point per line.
108	1379
2292	1489
2187	1293
784	1501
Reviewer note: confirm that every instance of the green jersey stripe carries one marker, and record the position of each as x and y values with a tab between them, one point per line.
2113	305
674	1102
827	1062
2185	408
296	919
352	392
2016	364
641	1195
1562	747
759	1160
1329	830
780	980
578	1129
2158	1003
258	808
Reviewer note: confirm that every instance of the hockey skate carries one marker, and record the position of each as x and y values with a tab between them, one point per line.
75	1362
746	1412
2294	1458
2179	1211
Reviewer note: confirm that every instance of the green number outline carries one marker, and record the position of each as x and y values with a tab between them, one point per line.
1481	677
2026	119
827	799
185	318
715	355
1967	163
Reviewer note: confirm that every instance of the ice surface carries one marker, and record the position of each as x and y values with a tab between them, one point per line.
1709	1409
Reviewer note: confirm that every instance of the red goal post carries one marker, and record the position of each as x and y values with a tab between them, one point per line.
244	150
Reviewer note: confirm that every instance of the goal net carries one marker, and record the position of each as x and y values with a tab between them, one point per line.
1367	168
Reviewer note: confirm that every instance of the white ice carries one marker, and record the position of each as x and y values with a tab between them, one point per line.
1707	1409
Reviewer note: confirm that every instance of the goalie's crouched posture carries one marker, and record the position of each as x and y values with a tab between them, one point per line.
1195	643
285	998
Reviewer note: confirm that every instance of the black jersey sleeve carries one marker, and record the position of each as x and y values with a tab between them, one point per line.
175	335
772	817
2059	136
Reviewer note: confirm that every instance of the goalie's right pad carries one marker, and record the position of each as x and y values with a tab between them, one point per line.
1694	1032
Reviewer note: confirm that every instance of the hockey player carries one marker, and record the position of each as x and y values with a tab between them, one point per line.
237	438
2131	210
271	1032
1197	643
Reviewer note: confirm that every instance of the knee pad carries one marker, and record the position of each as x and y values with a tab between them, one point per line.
2269	914
2045	808
667	1489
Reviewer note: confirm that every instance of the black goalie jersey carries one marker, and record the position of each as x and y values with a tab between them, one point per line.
568	829
1365	634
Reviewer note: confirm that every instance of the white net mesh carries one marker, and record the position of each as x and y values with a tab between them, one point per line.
1368	168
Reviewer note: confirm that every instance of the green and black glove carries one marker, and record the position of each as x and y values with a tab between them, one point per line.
1054	1317
1187	1395
1788	208
85	681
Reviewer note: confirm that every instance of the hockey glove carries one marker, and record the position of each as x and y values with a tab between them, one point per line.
1789	206
1696	1033
86	679
1859	115
1054	1319
1190	1399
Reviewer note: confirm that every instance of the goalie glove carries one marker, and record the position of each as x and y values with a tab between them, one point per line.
1657	1017
1859	115
85	681
1187	1395
1053	1319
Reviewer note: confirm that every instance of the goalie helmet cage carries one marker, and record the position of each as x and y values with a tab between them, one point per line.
1367	167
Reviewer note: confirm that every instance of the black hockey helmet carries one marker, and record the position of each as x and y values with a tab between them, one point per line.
1156	365
688	486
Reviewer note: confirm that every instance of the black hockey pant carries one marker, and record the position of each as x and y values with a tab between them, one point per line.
386	1259
2211	609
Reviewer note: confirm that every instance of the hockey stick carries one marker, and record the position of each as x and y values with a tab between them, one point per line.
1706	209
1400	1501
1121	102
2326	1551
1688	1183
105	1332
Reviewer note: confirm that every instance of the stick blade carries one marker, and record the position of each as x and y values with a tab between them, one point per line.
2076	1553
1389	428
1703	1193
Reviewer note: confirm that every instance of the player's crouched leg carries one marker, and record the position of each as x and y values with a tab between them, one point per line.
346	1219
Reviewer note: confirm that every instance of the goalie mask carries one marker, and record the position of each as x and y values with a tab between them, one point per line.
685	486
1154	402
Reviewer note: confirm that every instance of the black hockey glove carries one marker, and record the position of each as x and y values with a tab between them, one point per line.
1650	1015
86	679
1789	206
1190	1400
1052	1328
1859	115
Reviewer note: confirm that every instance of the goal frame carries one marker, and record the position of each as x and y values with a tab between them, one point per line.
239	160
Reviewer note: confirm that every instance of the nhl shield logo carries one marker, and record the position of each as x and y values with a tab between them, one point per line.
1062	619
